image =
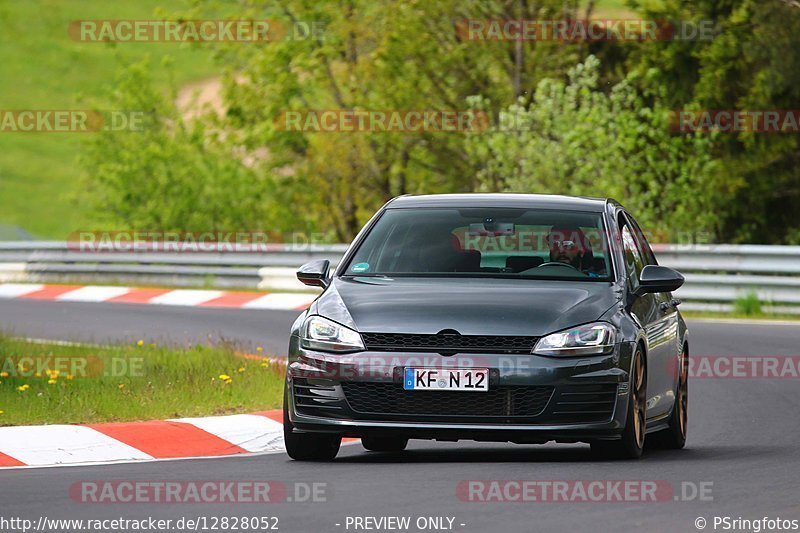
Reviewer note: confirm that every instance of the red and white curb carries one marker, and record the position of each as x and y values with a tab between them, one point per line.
126	442
179	297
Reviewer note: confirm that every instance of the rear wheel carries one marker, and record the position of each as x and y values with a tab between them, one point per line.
674	437
631	444
307	446
384	444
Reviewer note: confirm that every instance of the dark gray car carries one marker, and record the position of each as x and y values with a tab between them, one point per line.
492	317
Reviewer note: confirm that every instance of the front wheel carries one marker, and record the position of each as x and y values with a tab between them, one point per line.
308	446
674	437
631	444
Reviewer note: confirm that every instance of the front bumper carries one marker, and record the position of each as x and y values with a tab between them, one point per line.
531	398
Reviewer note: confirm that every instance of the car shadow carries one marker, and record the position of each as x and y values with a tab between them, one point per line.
577	453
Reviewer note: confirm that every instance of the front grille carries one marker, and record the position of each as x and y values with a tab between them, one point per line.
584	403
413	342
392	399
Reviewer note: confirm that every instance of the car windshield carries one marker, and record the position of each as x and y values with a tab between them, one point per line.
485	242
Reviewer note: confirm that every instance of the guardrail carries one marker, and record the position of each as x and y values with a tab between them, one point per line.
716	275
270	268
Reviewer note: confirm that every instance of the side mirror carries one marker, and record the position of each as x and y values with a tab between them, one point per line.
657	278
315	273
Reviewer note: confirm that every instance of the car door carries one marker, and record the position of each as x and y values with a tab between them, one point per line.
666	332
647	312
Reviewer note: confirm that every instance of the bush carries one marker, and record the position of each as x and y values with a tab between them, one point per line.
575	139
748	305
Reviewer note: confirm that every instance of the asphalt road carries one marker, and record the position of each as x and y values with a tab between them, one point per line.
100	322
743	443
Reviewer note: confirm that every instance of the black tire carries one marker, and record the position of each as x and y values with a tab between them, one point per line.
674	437
308	446
384	444
631	445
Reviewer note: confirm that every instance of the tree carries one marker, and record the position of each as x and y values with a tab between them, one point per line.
376	56
752	63
170	175
575	139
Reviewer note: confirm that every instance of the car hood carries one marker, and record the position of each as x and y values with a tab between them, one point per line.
469	306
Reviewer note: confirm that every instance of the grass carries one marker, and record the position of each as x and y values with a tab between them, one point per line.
748	305
43	68
129	382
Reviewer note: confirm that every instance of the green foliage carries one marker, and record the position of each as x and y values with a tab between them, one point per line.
575	139
748	305
374	56
129	382
590	119
171	175
753	63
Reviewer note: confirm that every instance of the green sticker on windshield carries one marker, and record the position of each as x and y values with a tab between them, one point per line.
360	267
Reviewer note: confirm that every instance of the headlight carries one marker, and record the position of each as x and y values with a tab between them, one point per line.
589	339
326	335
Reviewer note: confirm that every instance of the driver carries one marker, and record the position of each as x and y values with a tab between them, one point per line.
569	245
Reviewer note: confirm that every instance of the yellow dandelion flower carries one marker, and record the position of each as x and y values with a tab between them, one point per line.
224	377
23	388
51	381
264	364
259	349
1	412
241	369
121	386
140	343
38	374
3	374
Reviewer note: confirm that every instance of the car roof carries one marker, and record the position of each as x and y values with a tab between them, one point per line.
531	201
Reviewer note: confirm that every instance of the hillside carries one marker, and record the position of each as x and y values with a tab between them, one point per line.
38	171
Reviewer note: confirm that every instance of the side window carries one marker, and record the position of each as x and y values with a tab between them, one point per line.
644	246
633	258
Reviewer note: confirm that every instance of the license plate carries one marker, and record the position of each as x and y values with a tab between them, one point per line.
444	379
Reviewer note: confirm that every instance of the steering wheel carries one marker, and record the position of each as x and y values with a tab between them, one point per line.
558	263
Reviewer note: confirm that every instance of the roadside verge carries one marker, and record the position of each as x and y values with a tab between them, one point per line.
125	442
